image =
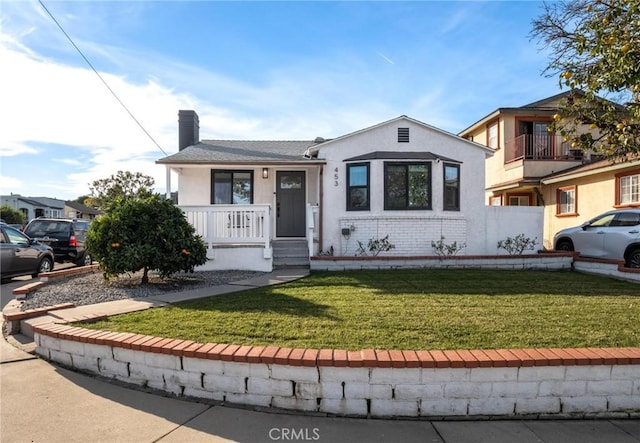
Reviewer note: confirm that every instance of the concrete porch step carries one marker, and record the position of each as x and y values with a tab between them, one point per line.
290	253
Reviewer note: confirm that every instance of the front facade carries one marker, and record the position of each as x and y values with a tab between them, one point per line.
576	195
524	151
254	202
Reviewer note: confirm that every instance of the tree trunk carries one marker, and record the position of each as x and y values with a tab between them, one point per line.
145	275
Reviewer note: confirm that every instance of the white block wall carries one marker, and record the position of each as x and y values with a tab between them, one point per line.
560	391
542	262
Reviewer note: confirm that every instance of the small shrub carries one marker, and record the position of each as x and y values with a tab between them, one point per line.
441	248
517	245
10	215
375	246
328	252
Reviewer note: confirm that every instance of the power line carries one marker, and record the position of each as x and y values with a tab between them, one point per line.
101	79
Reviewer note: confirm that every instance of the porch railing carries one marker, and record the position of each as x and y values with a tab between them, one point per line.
540	147
229	224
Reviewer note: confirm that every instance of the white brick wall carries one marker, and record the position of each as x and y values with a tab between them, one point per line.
410	235
458	262
600	390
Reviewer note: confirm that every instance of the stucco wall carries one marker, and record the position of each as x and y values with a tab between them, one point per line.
510	221
195	186
595	195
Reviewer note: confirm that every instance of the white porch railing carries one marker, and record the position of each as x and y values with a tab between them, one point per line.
230	224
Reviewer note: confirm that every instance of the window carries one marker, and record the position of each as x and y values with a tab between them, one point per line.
519	199
407	186
626	219
358	187
492	135
628	189
496	200
231	187
451	187
566	201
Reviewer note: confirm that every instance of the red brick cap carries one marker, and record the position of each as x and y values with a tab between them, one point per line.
368	358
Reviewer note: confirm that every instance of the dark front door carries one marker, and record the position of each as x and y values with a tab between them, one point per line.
290	203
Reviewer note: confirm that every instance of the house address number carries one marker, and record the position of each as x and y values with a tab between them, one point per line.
335	177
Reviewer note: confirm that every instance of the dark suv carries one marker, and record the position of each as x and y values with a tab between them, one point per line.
66	237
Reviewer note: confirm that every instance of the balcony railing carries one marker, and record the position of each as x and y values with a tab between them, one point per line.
540	147
229	224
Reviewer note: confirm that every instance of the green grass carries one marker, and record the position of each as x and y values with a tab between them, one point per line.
409	309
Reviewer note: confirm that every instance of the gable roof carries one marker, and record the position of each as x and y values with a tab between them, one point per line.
314	149
82	208
31	201
241	151
543	107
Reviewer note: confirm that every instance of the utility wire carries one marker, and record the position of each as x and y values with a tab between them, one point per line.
101	78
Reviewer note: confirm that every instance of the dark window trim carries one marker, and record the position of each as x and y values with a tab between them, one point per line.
212	197
444	187
368	187
407	207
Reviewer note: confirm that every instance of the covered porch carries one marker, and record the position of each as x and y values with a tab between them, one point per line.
240	236
252	217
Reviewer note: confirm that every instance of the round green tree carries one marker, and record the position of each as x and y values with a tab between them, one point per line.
145	234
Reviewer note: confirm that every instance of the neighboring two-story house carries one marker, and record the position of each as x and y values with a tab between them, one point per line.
533	167
524	151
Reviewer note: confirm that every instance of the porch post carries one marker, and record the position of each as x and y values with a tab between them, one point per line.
168	183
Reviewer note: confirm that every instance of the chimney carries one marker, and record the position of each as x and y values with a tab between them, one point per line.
188	129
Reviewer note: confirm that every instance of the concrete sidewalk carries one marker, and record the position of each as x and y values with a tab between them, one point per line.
40	402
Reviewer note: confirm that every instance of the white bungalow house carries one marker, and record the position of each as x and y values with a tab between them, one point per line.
260	204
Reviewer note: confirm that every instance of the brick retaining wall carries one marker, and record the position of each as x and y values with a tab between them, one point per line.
525	383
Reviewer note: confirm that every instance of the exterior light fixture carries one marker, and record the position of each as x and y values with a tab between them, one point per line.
265	172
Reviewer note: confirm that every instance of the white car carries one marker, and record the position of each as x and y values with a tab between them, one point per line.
613	235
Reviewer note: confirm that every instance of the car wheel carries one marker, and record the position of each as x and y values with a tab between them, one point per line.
46	265
564	245
633	261
86	260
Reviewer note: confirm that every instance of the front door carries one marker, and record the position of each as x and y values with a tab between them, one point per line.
290	203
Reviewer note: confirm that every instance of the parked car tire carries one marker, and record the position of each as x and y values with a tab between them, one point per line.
564	245
85	260
46	265
633	260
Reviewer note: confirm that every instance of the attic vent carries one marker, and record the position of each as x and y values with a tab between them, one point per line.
403	135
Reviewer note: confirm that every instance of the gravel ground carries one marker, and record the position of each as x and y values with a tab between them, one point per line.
91	288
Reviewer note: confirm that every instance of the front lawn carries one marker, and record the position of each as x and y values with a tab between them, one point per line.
409	309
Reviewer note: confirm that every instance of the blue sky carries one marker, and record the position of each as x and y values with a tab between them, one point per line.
252	70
